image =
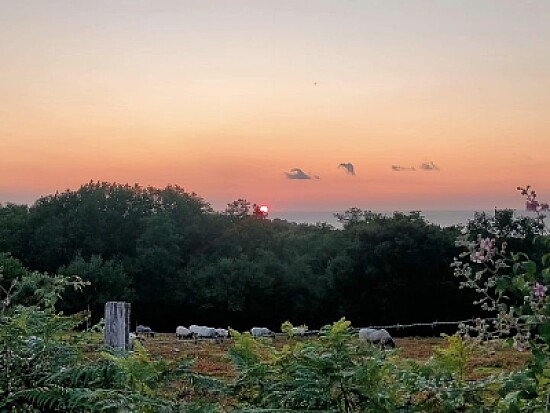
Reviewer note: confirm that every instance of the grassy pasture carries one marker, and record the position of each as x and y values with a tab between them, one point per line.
211	358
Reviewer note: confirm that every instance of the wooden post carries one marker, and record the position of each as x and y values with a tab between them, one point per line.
117	324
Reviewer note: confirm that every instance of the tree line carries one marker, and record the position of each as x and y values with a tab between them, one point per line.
180	262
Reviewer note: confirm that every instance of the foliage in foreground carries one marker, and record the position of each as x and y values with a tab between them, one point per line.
46	366
512	287
334	373
337	373
47	369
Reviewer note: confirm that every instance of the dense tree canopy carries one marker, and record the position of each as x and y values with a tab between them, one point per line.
179	262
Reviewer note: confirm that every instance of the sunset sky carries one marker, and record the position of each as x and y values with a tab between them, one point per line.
227	98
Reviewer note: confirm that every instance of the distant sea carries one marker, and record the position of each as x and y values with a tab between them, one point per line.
442	218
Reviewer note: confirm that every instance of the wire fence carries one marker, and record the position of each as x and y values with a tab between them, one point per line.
432	324
162	338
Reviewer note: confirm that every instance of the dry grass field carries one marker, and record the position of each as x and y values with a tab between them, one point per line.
211	358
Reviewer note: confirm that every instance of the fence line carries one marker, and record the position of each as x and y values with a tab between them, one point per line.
433	324
354	330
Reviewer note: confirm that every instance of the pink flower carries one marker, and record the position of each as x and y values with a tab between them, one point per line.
485	251
477	257
486	244
539	290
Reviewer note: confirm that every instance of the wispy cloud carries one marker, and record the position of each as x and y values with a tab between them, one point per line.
399	168
429	166
348	167
424	166
297	173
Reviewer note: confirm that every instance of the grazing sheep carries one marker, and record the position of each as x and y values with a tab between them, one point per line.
261	332
222	333
183	332
375	336
194	329
202	331
145	330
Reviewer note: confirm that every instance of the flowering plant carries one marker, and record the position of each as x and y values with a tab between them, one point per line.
511	290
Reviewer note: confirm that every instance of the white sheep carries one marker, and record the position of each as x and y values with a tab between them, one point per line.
222	333
261	332
376	336
202	331
183	332
194	329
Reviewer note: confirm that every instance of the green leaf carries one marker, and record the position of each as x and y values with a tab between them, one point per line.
530	267
502	284
544	332
519	283
518	256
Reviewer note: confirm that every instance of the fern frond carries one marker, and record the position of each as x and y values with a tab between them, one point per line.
78	399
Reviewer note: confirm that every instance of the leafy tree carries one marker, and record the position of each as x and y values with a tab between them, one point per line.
159	258
350	217
238	209
11	268
108	280
14	228
394	265
179	256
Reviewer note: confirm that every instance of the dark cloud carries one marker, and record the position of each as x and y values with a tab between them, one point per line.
350	169
297	173
429	166
399	168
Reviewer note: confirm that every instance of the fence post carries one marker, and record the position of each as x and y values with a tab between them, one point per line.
117	324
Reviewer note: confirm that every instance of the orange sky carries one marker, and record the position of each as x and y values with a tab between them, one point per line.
222	98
